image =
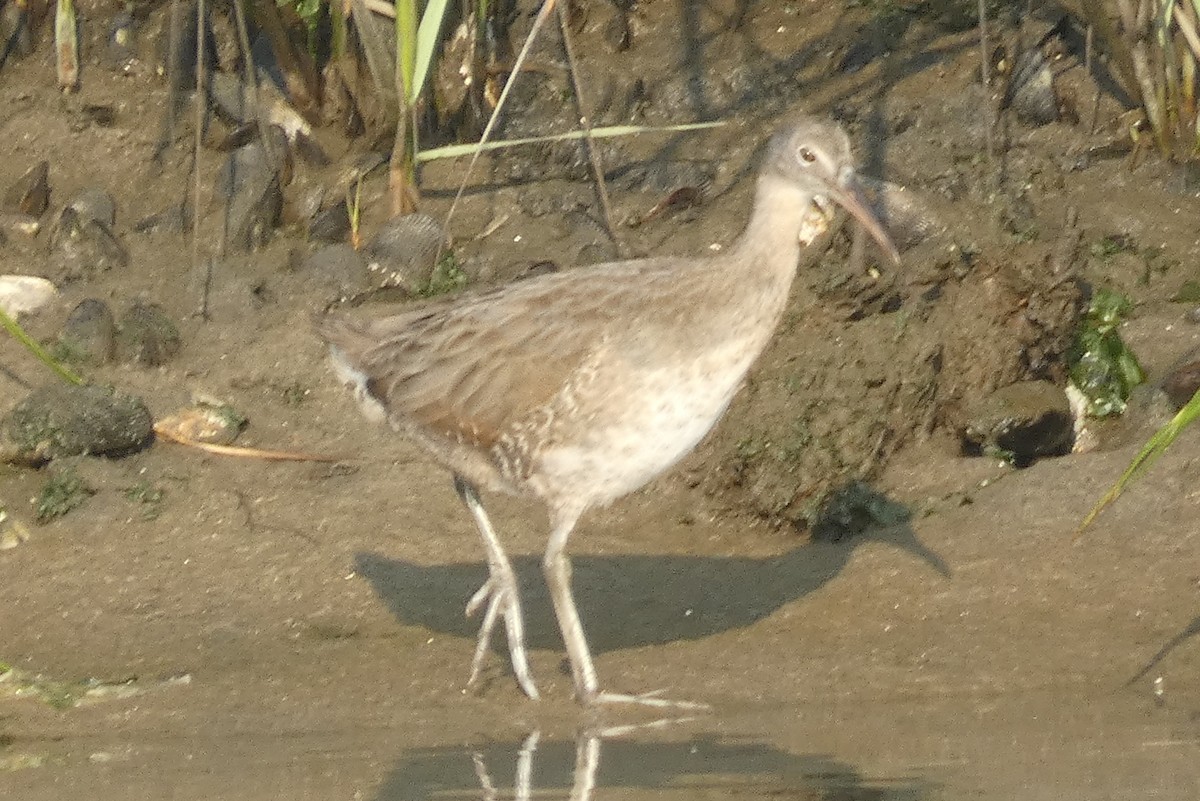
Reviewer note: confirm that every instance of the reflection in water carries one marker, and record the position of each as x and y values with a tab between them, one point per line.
702	766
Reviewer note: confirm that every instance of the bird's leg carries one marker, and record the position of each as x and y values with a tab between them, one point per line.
500	591
557	567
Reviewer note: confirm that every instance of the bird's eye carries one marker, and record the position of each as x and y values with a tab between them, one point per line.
806	155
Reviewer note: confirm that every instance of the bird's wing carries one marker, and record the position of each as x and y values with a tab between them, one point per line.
466	367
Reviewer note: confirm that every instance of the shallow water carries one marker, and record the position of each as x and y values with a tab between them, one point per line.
1123	746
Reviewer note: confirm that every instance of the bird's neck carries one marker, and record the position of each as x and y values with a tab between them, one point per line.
784	228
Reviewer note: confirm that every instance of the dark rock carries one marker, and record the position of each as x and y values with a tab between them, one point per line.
404	251
89	334
61	419
303	202
310	151
100	114
907	216
618	33
147	336
31	192
173	220
331	224
362	166
81	247
1149	408
544	267
96	204
180	66
1022	421
340	267
15	29
250	179
1030	89
253	160
597	252
1182	380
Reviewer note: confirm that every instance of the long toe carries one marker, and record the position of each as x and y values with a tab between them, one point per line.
514	626
484	640
651	699
485	591
502	601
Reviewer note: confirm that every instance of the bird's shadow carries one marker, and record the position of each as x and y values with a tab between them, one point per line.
627	601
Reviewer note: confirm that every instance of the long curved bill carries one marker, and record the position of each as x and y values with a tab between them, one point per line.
847	194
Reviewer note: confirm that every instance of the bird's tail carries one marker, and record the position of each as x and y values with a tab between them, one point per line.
348	340
343	334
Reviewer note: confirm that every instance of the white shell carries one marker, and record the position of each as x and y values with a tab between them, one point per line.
25	294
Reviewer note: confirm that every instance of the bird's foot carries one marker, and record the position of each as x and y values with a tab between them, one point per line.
651	699
502	600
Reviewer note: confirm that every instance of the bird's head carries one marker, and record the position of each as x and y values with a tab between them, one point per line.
813	154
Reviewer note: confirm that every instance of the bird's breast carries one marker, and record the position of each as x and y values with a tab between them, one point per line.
628	427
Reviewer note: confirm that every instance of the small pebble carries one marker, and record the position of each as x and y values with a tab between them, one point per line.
96	204
25	294
90	331
81	247
147	336
30	194
12	531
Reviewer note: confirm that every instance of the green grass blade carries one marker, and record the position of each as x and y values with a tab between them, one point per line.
1155	447
11	325
406	47
337	31
427	41
454	151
